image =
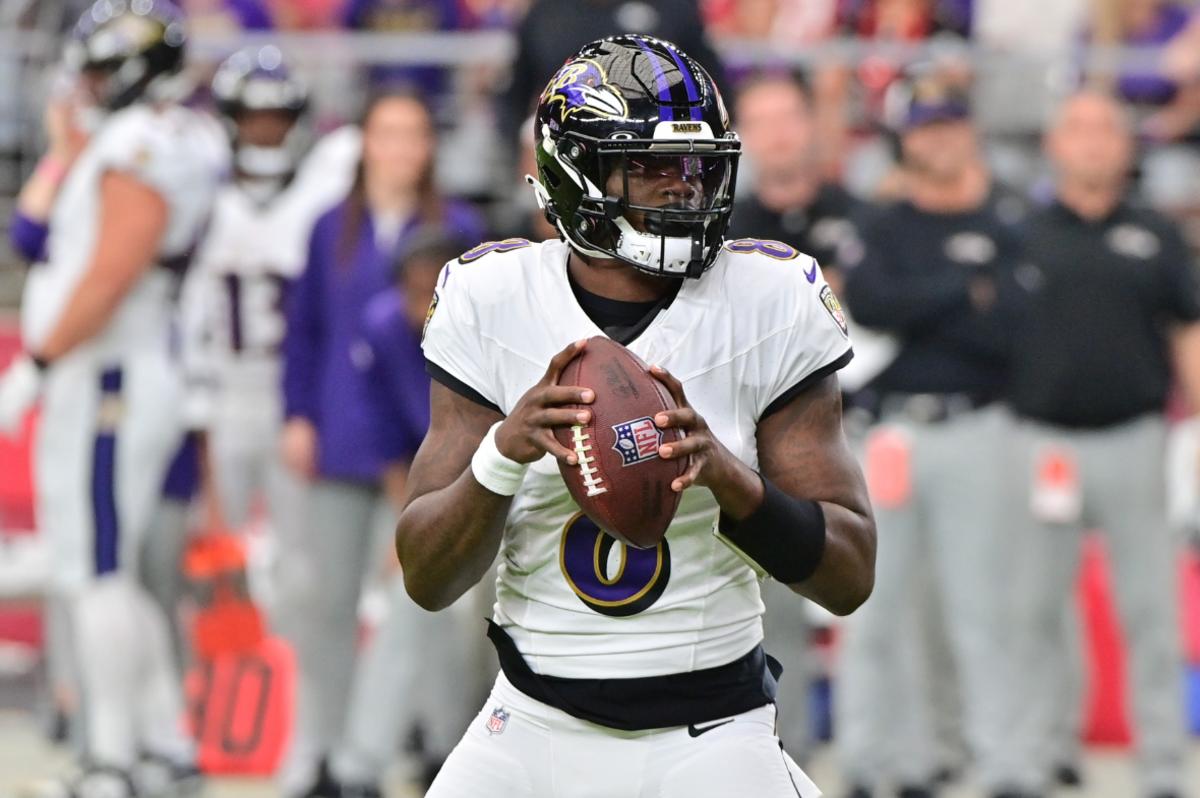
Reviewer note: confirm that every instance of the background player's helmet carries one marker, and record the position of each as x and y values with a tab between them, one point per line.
627	104
137	44
258	79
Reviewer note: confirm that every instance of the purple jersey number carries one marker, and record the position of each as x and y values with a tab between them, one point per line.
507	245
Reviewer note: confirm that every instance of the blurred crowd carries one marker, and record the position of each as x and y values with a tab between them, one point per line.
1023	55
994	430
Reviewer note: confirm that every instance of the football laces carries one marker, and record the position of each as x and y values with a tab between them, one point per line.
591	479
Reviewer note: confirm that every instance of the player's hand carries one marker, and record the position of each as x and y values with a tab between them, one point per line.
298	447
528	432
709	460
65	137
20	385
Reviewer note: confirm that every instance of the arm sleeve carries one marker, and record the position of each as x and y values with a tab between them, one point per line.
880	297
303	341
1182	289
452	342
815	344
28	237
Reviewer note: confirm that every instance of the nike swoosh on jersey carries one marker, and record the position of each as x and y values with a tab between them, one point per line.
811	273
696	731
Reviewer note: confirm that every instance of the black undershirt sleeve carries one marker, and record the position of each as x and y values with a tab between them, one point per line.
787	396
458	386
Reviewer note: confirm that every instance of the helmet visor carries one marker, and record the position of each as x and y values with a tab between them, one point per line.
691	187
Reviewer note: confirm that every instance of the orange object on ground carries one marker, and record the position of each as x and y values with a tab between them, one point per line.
227	621
240	708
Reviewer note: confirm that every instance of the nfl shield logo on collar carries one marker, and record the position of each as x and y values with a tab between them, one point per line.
637	440
496	723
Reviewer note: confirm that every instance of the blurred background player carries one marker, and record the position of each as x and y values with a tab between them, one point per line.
68	119
936	271
96	322
234	300
1114	292
330	437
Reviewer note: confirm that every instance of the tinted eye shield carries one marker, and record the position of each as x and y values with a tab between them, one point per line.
706	167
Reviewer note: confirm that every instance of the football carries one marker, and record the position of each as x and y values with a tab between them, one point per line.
620	482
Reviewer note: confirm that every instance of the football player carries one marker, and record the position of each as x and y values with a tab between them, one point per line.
234	301
652	659
96	323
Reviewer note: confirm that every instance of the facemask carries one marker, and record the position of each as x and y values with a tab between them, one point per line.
264	161
261	189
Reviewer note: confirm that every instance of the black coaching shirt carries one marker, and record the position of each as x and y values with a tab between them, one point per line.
818	229
912	276
1093	349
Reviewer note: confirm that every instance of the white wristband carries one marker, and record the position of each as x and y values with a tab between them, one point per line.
495	471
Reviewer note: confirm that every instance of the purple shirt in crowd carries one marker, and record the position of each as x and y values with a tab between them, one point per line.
406	16
1143	88
325	356
396	378
251	14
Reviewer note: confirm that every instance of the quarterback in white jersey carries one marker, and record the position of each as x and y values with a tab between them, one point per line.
651	657
97	319
256	244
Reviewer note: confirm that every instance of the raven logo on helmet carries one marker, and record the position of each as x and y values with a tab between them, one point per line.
581	85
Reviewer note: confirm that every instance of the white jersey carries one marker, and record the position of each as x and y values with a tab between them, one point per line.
171	150
760	322
234	298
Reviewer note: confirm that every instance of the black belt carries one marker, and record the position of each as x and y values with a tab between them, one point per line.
650	702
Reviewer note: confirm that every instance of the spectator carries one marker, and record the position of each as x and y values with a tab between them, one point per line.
396	691
935	270
555	29
261	15
1167	109
781	22
1113	292
494	14
407	16
898	21
331	435
850	94
789	201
